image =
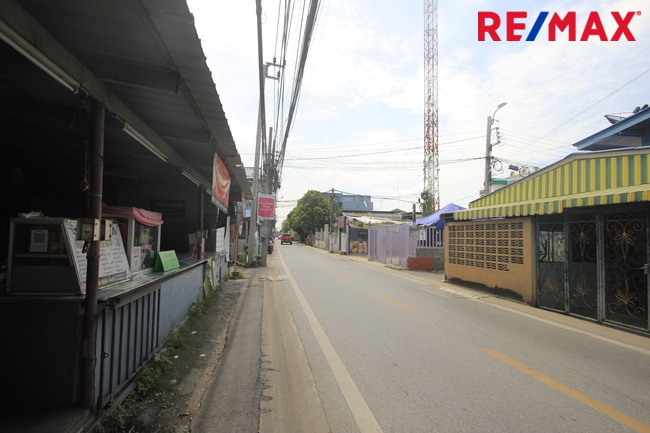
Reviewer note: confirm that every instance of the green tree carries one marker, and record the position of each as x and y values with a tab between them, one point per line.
311	214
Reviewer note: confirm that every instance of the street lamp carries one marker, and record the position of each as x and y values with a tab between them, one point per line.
488	150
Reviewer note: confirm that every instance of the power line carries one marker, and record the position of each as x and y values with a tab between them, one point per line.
310	23
570	119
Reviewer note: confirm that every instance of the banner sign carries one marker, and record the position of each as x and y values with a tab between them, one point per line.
220	184
266	207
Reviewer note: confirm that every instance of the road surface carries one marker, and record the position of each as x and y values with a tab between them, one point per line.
331	343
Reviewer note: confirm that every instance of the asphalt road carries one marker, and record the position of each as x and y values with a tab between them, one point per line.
393	354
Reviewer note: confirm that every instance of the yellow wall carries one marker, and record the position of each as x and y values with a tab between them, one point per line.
496	253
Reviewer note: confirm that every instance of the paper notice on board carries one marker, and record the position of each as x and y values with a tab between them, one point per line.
113	264
38	241
221	240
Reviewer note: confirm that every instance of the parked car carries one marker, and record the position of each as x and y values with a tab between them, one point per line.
286	239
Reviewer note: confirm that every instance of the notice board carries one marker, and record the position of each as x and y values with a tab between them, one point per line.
113	264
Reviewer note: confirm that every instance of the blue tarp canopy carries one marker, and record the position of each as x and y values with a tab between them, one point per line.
434	218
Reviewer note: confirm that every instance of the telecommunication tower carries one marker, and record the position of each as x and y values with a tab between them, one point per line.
431	194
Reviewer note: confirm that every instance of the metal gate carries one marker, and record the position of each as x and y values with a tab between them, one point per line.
552	260
626	268
595	265
583	264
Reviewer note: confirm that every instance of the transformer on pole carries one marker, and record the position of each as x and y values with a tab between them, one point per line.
431	194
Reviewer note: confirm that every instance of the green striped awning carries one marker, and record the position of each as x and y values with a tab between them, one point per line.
626	194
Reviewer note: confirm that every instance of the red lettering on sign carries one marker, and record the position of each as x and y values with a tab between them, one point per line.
594	27
560	24
484	28
622	26
511	25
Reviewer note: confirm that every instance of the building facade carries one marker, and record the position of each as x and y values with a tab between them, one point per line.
572	237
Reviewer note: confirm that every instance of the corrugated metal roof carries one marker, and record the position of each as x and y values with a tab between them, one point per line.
627	194
610	177
143	58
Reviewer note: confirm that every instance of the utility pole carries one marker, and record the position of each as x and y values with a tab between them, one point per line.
268	189
252	227
488	157
488	151
329	234
260	139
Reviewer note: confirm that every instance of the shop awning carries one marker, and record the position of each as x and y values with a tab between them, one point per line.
626	194
142	216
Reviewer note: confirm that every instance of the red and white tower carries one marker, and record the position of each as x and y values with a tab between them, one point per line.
431	192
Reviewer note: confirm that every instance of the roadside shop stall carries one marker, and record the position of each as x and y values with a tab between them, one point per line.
145	293
93	115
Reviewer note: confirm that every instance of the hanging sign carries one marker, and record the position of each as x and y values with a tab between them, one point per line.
266	207
220	184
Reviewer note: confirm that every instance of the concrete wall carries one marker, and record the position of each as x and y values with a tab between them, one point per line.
436	254
177	295
495	253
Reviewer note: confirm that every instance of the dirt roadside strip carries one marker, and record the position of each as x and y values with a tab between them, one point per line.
172	405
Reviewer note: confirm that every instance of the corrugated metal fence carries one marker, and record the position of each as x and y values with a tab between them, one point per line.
394	244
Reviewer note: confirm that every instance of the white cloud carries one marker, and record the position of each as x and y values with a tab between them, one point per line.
364	85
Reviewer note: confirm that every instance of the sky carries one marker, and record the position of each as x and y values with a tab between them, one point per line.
359	124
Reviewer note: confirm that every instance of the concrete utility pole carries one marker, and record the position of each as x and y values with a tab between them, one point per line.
329	234
488	157
268	189
252	228
488	151
261	125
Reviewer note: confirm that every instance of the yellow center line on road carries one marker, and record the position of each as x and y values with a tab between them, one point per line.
406	307
346	276
326	265
632	423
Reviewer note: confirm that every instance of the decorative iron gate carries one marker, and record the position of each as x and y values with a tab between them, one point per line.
583	264
595	264
626	268
552	259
